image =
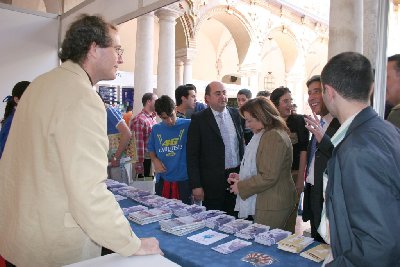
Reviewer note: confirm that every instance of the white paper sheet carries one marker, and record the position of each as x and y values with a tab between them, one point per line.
115	260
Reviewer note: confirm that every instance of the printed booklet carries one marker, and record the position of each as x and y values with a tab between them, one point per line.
207	237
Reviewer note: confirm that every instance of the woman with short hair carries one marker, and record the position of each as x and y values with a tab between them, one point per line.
266	167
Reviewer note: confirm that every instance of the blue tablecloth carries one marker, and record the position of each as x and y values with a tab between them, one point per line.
188	253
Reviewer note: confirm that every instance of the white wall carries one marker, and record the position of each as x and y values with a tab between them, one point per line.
28	47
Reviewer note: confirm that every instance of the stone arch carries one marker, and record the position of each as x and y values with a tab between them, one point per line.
184	36
314	55
235	22
288	44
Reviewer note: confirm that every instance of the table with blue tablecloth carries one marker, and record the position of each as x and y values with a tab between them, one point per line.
188	253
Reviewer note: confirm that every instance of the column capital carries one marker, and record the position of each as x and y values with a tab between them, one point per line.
167	14
185	54
150	14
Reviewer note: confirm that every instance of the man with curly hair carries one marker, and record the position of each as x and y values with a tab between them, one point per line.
55	208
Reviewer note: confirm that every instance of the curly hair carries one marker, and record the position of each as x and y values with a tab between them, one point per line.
80	36
277	94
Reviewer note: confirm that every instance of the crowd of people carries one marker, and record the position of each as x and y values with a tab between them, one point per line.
253	162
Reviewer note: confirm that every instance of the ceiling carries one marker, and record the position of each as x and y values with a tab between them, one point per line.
48	6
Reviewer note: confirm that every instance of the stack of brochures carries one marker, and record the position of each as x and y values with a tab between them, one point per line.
182	225
252	230
271	237
317	253
204	215
234	226
133	209
189	210
231	246
295	243
134	193
149	216
218	221
115	190
122	190
157	201
173	204
119	197
114	184
147	200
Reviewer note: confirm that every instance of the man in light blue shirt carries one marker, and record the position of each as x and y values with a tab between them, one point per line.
167	149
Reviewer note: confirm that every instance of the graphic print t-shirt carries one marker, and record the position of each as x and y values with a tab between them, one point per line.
169	144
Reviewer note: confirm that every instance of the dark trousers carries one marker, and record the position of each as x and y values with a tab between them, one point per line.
314	230
9	264
147	168
227	201
185	192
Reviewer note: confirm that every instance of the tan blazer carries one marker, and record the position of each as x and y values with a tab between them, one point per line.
54	204
273	184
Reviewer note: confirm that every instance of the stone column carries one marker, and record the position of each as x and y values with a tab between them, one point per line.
187	71
295	83
166	52
370	25
345	27
381	58
143	80
185	55
178	72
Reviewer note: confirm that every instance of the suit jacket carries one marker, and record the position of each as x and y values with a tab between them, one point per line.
363	194
394	116
273	183
247	133
313	198
55	205
206	153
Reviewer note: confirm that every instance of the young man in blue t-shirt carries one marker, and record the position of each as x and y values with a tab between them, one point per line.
167	149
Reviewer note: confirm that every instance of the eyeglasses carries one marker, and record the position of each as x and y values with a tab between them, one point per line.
119	51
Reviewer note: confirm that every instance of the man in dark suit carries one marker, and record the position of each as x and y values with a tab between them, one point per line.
363	181
214	149
318	152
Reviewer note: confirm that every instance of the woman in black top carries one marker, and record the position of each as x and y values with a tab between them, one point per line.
299	135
